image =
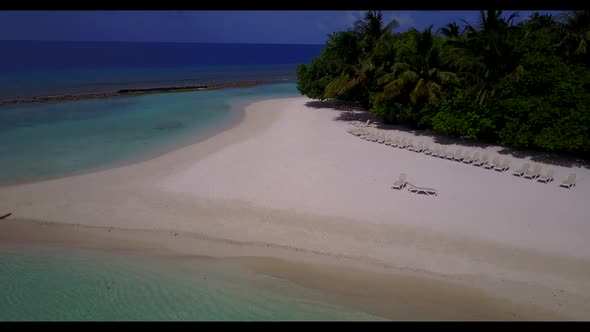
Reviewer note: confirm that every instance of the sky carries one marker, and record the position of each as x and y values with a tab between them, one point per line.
285	27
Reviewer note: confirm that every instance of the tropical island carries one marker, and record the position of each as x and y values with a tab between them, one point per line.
275	208
524	85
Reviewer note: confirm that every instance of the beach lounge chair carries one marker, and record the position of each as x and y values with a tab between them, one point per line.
569	182
409	143
403	143
435	151
374	136
535	173
417	147
380	137
396	141
495	162
388	139
458	155
363	132
525	168
548	177
504	166
449	155
361	124
466	155
401	182
443	152
473	158
358	131
427	149
483	161
422	190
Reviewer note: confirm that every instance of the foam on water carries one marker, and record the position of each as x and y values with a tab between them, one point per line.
52	283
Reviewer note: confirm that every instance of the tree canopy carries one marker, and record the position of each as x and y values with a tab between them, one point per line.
524	85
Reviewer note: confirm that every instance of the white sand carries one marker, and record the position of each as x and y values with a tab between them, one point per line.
290	176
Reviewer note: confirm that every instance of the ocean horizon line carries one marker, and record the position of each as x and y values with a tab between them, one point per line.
151	42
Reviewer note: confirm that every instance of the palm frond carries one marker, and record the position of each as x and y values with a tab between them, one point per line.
337	86
417	91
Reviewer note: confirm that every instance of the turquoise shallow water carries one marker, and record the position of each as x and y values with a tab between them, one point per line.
49	140
52	283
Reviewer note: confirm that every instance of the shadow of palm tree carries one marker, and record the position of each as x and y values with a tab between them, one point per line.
353	111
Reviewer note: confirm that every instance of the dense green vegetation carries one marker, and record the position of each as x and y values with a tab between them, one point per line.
524	85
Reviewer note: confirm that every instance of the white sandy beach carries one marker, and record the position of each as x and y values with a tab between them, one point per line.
290	179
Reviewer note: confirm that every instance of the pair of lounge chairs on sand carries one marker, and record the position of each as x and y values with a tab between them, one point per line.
497	164
402	182
549	176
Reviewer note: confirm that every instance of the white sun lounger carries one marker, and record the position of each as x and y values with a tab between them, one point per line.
449	155
401	182
435	151
466	155
403	144
495	162
483	161
417	147
504	166
548	177
525	168
535	173
473	158
379	137
422	190
360	124
569	182
458	155
427	149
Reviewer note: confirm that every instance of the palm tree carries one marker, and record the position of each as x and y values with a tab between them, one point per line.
488	54
540	21
451	30
372	28
575	28
357	72
418	70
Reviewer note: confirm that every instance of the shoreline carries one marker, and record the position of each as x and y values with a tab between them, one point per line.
238	116
436	296
288	178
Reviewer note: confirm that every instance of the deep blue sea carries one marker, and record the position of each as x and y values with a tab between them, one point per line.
41	141
41	68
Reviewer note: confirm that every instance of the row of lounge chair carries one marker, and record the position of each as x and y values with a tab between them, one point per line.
458	154
549	176
498	164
